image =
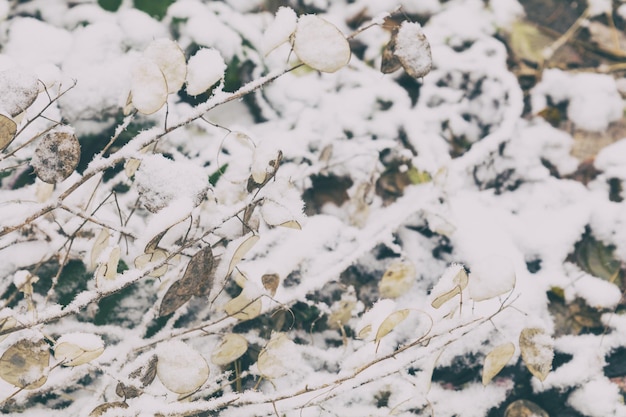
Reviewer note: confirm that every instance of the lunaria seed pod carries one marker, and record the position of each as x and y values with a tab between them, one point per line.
57	156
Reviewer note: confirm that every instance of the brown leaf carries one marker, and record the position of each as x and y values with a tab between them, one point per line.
177	294
524	408
8	128
103	408
127	391
56	156
390	62
147	378
270	283
199	273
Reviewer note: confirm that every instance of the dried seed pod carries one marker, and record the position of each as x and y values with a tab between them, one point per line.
57	156
18	90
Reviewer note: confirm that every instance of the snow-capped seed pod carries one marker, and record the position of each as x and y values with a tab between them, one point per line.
409	48
320	44
171	61
148	87
18	90
24	364
204	69
180	368
56	156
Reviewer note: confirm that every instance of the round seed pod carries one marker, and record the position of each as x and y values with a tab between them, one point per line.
57	156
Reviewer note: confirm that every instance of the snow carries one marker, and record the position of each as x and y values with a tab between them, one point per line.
504	202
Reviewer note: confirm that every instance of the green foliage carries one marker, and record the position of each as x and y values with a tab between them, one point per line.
110	5
155	8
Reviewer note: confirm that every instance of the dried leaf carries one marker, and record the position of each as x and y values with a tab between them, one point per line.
199	273
291	224
108	269
397	279
524	408
148	87
8	128
241	251
74	354
147	378
341	313
131	166
496	360
157	255
390	62
537	348
232	347
6	323
154	242
279	31
180	368
270	283
271	360
24	364
243	308
103	408
127	391
413	50
176	295
320	45
56	156
390	323
459	280
99	245
365	332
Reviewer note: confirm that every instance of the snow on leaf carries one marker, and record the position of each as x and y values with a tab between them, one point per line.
496	360
452	283
205	68
148	86
24	364
524	408
231	347
170	60
341	311
413	50
99	245
397	279
320	44
8	128
241	251
243	307
18	90
104	407
390	322
78	348
537	348
131	166
491	276
56	156
108	270
180	368
274	359
280	30
155	256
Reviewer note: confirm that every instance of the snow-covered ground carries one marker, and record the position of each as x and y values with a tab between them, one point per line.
246	235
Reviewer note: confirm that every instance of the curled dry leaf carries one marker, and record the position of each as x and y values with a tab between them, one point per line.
397	279
148	87
537	348
157	255
18	90
232	347
127	391
56	156
24	364
171	61
390	62
176	295
496	360
180	368
73	351
524	408
320	45
412	50
390	323
8	128
241	251
103	408
270	283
